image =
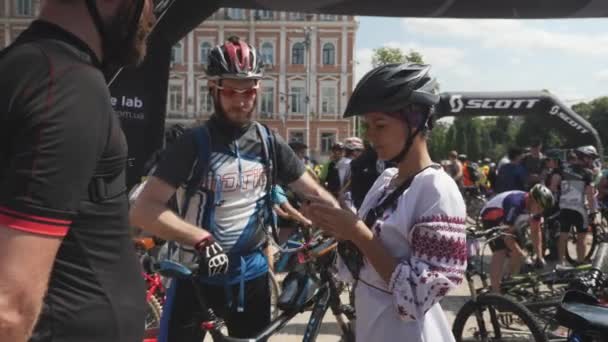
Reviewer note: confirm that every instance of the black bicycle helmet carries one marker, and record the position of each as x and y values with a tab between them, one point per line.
111	51
235	59
397	88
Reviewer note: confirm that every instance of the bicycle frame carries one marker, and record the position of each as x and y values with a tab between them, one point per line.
326	297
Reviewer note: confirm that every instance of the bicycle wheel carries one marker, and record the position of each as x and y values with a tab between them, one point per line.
275	293
591	243
493	317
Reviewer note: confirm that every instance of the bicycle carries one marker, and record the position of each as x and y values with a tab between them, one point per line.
310	284
474	201
155	289
505	316
583	313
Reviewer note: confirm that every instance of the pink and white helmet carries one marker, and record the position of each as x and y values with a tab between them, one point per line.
353	144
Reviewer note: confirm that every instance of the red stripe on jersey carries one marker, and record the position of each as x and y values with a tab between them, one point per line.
33	227
33	217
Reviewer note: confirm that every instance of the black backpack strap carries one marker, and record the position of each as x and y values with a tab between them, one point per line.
269	149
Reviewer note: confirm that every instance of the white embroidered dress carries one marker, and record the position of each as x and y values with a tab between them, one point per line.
426	234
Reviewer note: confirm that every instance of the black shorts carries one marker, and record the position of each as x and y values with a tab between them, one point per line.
497	244
571	218
182	317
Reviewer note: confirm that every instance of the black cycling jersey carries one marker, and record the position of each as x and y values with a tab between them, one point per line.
62	161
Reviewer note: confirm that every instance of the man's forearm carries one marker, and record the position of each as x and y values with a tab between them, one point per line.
157	219
17	323
306	186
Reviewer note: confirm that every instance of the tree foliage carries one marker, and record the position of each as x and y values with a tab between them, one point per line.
388	55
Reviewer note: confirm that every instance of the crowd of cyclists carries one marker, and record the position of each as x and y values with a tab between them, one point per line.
216	191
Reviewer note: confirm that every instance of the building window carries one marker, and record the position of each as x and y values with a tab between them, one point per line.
297	53
328	139
267	102
268	53
24	8
235	13
205	100
328	100
329	54
263	14
205	48
296	100
177	53
175	97
328	17
296	16
296	136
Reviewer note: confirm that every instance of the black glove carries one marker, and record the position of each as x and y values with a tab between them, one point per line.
212	259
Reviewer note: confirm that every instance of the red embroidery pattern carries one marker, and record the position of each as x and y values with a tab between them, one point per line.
447	249
443	227
457	270
441	218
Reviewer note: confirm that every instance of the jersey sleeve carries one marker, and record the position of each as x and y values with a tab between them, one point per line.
59	120
176	164
511	207
290	168
439	253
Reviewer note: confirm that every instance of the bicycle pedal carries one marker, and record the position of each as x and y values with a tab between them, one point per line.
347	309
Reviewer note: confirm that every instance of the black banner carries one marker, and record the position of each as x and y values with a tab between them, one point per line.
558	115
139	98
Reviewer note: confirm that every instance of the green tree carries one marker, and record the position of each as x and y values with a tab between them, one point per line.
598	117
414	57
388	55
437	141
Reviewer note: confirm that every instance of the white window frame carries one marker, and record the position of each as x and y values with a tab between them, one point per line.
296	16
200	47
323	53
235	13
24	8
207	97
328	17
176	83
293	43
267	84
323	41
272	43
320	132
264	14
328	84
290	131
297	84
181	53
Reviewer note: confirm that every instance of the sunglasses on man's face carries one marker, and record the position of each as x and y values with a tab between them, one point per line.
230	92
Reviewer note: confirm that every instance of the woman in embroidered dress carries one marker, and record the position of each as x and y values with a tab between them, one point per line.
414	251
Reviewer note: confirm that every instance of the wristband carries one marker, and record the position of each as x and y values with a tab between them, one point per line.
204	242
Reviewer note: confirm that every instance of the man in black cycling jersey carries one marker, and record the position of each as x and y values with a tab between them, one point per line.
226	219
575	186
69	269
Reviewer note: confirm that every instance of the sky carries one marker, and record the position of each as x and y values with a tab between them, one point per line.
569	57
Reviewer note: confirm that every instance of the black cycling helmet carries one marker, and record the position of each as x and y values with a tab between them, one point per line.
397	88
235	59
542	195
108	43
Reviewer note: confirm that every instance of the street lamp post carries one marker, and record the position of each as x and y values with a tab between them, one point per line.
307	42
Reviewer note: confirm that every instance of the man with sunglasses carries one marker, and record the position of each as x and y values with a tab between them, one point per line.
231	241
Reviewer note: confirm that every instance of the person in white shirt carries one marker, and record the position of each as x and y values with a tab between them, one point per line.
408	244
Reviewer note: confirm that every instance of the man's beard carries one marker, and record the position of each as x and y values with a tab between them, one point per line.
123	47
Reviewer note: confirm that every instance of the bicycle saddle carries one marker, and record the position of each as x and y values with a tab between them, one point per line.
172	269
582	312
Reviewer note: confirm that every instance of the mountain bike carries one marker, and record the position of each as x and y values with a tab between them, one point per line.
598	230
488	316
581	309
155	289
311	283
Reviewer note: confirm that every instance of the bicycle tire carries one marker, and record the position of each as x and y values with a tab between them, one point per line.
503	304
594	244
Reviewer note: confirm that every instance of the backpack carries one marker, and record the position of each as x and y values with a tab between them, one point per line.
198	179
333	178
474	172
